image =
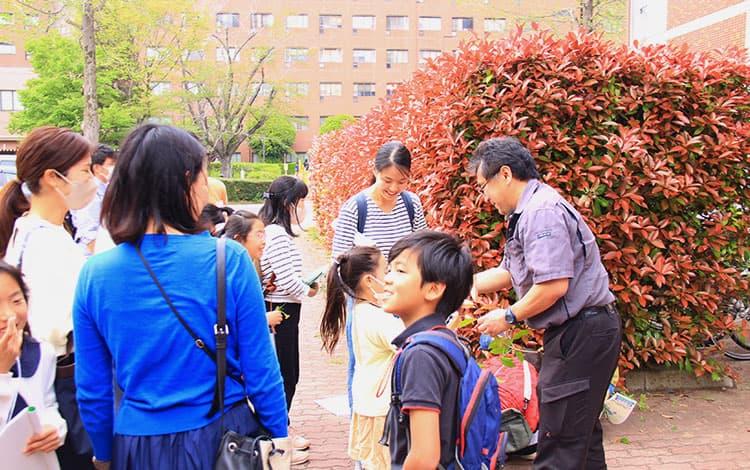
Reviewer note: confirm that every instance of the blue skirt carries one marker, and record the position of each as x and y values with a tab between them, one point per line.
187	450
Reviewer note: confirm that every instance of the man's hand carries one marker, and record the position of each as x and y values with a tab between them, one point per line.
10	345
46	441
493	323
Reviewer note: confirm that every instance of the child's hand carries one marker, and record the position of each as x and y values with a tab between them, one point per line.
46	441
10	345
274	317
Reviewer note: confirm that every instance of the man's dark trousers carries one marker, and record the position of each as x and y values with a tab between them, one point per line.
579	359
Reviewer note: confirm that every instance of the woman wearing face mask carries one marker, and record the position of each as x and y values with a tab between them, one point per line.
392	212
359	274
54	176
281	265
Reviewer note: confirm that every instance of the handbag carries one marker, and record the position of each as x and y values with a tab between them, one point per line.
257	451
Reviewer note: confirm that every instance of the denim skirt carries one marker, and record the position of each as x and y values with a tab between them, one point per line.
188	450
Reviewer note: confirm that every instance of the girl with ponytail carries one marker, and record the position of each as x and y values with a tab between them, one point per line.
359	274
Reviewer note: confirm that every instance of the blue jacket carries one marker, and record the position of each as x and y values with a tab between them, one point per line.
122	325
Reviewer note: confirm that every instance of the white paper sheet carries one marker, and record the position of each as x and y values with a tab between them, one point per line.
13	438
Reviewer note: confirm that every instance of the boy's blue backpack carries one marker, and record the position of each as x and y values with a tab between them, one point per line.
479	412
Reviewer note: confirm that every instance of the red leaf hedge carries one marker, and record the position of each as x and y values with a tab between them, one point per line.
652	146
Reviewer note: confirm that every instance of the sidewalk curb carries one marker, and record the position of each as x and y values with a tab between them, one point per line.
664	379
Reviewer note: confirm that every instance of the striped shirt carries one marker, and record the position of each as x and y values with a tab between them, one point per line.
383	228
282	259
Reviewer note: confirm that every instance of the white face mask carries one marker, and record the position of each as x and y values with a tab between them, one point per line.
81	192
378	296
108	173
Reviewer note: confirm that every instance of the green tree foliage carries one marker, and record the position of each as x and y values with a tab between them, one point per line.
274	139
336	122
55	96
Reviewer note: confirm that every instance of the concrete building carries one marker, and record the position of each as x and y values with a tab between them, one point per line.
15	70
340	56
701	24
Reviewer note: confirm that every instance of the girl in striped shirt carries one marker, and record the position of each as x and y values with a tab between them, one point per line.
281	265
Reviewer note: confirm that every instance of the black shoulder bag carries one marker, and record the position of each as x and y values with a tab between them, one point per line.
235	451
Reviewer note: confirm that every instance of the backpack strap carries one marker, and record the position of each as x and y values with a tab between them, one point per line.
361	211
409	204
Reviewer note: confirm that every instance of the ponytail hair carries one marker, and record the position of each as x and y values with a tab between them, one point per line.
45	148
343	280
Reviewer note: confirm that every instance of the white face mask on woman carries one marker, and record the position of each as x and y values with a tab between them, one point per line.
81	192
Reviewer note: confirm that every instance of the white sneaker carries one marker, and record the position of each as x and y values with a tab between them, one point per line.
300	443
300	457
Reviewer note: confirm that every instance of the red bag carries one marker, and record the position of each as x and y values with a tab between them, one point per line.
517	388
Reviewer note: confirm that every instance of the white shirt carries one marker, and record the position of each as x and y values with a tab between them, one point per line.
86	220
51	262
38	391
282	258
372	333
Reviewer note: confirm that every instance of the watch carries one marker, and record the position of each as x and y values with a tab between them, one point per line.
510	317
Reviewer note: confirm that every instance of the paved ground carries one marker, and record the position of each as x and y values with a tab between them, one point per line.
707	429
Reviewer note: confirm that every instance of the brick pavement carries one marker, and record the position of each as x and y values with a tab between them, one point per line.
700	430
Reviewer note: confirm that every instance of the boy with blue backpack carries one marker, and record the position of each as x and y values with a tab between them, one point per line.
445	411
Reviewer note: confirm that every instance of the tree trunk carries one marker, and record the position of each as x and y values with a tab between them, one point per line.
587	14
226	166
88	40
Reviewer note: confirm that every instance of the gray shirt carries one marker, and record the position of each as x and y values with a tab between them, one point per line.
551	241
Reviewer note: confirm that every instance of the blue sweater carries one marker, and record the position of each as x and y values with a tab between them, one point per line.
123	325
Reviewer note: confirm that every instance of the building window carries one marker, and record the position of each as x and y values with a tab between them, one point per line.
297	89
265	88
301	123
160	88
31	20
330	88
390	88
363	22
494	25
194	55
10	101
192	87
224	54
295	54
154	53
396	56
330	21
397	23
323	119
363	56
430	23
261	20
236	157
227	20
6	18
7	48
427	54
331	55
297	21
462	24
364	89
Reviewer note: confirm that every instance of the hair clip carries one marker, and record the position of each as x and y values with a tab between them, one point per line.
268	195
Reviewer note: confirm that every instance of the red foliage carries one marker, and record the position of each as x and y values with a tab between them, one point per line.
652	146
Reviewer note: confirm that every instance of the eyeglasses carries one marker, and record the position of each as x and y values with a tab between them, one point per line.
486	182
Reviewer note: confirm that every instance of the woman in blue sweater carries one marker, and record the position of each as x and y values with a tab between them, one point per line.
124	326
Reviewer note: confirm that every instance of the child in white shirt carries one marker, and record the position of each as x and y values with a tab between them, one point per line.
27	366
359	274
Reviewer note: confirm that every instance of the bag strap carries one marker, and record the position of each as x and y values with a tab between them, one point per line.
526	385
361	212
409	204
221	329
221	312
